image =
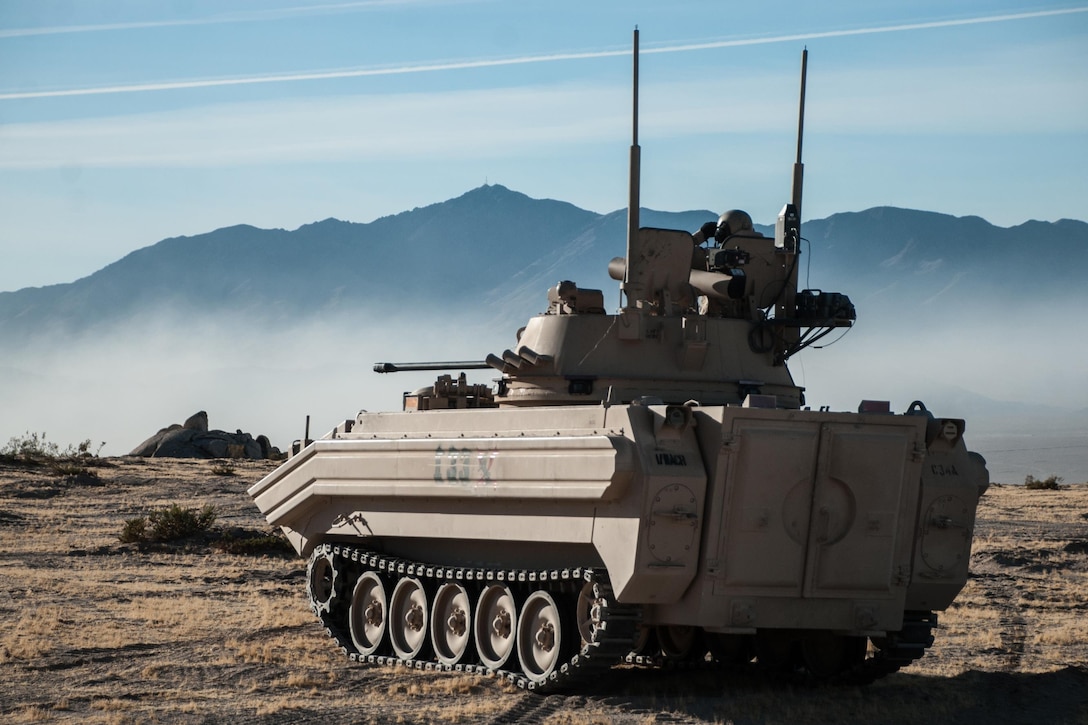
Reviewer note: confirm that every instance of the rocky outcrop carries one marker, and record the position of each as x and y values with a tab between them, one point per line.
193	439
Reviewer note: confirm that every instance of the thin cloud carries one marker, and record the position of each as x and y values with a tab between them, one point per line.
239	17
491	121
497	122
545	58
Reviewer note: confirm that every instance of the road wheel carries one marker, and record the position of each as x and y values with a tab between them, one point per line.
540	636
408	618
495	626
451	623
367	614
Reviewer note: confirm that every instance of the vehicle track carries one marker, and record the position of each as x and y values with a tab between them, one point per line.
335	569
1001	590
532	708
604	641
94	655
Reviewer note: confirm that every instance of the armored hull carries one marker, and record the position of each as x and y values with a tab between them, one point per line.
757	532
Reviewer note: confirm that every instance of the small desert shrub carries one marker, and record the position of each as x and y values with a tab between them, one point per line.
1052	483
83	450
134	530
169	524
30	447
36	448
176	522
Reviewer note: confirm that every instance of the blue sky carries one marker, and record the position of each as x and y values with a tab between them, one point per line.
125	122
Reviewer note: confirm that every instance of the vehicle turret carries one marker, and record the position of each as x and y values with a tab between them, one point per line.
709	318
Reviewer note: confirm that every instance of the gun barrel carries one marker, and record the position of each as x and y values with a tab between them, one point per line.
386	367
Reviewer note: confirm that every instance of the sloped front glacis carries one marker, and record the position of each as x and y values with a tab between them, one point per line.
400	483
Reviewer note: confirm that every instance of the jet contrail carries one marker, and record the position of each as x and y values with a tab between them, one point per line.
547	58
239	17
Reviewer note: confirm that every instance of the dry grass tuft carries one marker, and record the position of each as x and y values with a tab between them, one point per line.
32	713
1069	630
306	678
451	684
153	672
276	706
34	634
252	652
112	704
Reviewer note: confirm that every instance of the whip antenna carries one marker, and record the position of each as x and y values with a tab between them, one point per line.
633	179
798	167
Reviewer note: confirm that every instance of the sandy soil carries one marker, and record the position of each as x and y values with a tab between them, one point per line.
99	631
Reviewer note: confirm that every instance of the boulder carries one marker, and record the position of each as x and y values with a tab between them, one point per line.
193	439
148	447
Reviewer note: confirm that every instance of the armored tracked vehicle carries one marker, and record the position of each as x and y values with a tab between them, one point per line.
645	486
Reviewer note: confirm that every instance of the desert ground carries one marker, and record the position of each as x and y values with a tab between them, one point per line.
96	630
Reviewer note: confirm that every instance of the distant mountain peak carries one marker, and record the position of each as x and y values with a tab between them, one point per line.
490	192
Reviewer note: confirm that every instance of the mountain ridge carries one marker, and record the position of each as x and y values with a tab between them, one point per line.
495	244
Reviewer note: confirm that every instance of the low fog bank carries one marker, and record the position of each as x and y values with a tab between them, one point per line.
1024	397
994	366
1016	378
122	387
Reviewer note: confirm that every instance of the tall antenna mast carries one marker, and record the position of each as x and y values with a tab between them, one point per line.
633	179
798	167
787	232
787	236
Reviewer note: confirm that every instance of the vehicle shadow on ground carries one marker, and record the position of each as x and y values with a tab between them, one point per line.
747	696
